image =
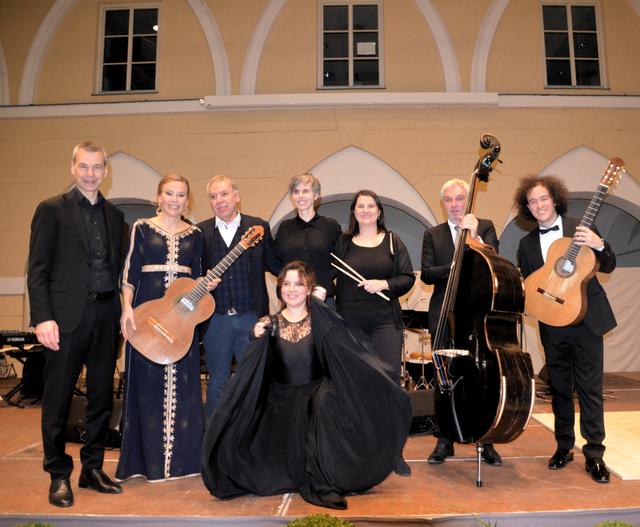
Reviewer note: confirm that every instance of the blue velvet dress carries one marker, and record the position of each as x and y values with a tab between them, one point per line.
162	412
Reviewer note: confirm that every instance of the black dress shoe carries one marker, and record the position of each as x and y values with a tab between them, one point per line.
442	451
491	456
402	468
560	458
60	493
96	479
598	470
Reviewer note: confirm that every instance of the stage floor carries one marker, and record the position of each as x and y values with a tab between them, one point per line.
514	494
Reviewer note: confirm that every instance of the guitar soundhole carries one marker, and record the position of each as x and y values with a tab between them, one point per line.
565	267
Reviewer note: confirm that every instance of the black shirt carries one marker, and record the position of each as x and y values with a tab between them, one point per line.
312	242
100	276
374	263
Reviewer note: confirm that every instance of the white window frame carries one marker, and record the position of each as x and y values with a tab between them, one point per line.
350	59
100	62
567	4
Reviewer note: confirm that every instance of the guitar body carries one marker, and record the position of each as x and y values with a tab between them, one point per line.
556	294
165	326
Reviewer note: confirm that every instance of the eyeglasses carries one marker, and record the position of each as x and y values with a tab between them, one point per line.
83	167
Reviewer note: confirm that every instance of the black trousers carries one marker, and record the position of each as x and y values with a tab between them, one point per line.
385	338
574	357
92	344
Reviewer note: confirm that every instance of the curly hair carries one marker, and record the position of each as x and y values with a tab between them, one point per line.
557	190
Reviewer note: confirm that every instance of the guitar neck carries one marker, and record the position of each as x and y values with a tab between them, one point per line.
201	288
588	218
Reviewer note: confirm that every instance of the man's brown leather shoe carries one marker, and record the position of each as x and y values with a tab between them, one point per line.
96	479
561	458
60	493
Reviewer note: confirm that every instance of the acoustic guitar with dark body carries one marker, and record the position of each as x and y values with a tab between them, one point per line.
556	294
165	326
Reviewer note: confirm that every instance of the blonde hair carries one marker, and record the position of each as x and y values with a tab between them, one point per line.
169	178
88	146
304	179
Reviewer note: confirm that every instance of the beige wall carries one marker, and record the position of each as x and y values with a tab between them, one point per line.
184	63
262	148
516	61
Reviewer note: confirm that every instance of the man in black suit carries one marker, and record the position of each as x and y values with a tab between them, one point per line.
75	255
437	254
241	295
574	354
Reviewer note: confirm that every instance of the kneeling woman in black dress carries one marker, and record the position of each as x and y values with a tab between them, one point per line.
309	410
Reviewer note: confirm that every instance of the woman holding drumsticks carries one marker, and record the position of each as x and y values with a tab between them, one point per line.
380	257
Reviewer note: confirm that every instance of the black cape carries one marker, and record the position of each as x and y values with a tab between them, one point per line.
354	425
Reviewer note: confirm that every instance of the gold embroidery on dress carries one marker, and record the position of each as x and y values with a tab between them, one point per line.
294	331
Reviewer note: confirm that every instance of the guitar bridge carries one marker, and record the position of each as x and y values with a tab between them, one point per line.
158	327
551	297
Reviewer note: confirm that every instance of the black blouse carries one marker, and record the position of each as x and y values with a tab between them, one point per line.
312	242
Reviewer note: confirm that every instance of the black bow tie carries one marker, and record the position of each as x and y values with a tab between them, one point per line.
545	231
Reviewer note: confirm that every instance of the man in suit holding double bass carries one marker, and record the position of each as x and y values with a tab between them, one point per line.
75	256
437	254
574	354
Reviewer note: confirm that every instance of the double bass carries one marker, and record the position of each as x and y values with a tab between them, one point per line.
485	382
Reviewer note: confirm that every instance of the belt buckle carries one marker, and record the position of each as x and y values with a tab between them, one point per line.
232	311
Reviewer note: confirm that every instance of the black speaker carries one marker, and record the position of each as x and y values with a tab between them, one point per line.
423	416
75	428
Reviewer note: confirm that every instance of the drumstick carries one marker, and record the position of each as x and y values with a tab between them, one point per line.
348	267
358	280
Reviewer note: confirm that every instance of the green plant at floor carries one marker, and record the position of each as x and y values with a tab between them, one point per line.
37	524
320	520
487	524
614	523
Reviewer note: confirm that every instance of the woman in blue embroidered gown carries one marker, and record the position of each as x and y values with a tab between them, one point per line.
162	415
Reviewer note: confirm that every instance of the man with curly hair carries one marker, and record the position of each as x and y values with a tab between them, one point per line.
574	354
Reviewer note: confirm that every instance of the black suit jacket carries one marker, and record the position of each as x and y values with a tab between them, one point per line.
437	253
599	317
58	274
261	257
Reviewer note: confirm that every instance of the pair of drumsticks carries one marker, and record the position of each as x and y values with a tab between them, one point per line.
353	274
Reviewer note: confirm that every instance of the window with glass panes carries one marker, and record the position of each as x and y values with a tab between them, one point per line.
571	44
129	51
350	43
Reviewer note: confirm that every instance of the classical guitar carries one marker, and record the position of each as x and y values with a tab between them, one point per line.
165	326
556	294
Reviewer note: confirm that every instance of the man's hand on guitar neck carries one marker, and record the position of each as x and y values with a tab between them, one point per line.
585	236
215	282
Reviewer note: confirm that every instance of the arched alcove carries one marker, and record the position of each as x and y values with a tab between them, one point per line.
130	178
351	169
